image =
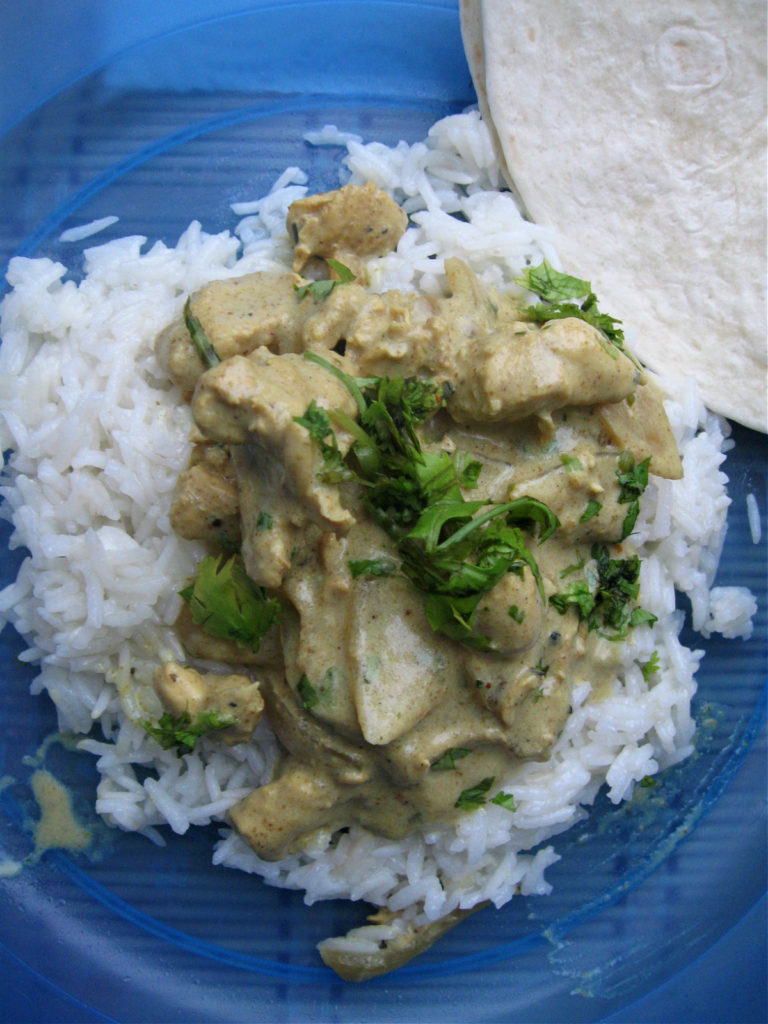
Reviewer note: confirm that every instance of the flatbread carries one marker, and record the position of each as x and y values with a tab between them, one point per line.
637	131
471	18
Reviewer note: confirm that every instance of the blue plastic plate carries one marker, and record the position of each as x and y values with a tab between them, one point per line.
659	903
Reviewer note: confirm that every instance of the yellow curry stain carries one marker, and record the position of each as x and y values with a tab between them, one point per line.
57	828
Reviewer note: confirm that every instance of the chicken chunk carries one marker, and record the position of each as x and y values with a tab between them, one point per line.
257	400
274	817
237	315
510	376
234	698
206	506
350	225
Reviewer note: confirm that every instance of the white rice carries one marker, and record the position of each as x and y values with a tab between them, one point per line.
98	439
83	231
753	518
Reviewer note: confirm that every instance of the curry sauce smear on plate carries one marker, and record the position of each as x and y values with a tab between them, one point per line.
419	511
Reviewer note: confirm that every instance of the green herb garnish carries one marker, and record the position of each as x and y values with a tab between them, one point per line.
515	613
593	509
633	480
308	694
569	570
225	601
651	667
505	800
448	760
181	733
474	797
452	549
560	294
318	423
264	521
609	606
571	463
371	567
320	290
578	596
200	340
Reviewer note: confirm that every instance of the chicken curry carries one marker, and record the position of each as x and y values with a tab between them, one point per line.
418	511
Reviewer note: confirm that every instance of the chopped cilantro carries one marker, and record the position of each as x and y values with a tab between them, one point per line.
308	693
592	509
448	760
651	667
515	613
371	567
264	521
648	782
578	596
473	797
609	607
569	570
322	289
200	340
318	423
571	463
505	800
226	602
560	294
181	733
540	669
639	616
633	480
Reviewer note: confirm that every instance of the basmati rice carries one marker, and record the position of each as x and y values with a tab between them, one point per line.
86	230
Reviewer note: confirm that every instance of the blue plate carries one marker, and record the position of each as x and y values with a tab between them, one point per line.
661	902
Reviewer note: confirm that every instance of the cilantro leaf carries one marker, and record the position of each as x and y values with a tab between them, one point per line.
318	423
320	290
473	797
560	293
633	480
453	616
651	667
609	608
505	800
553	285
640	616
571	463
181	733
200	340
515	613
226	602
264	521
578	596
308	693
448	760
371	567
592	509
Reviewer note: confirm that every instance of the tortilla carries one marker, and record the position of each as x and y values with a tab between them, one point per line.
637	132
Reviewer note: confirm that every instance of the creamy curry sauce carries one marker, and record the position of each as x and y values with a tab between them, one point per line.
547	410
